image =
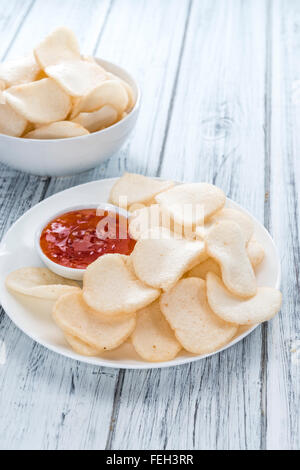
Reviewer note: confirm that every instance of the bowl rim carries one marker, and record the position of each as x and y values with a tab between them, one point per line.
102	131
93	205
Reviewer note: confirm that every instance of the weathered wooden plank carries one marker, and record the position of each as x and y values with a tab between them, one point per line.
283	366
12	16
155	73
215	133
50	397
165	65
213	75
84	17
54	402
151	53
168	409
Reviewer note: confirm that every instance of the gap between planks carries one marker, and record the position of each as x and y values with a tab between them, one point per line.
103	27
18	29
121	375
267	208
171	105
47	180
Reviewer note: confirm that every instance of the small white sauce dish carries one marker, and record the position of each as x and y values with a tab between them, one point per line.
70	273
61	157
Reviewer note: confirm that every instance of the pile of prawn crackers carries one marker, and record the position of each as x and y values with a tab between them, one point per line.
57	93
172	292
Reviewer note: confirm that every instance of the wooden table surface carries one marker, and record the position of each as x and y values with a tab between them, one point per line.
221	95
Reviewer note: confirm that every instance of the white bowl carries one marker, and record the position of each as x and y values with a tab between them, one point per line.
60	157
69	273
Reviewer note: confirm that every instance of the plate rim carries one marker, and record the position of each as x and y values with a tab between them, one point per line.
109	363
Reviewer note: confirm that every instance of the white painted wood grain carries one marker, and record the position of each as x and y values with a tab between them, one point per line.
156	74
154	32
283	367
153	60
220	82
56	403
84	17
48	402
12	16
215	134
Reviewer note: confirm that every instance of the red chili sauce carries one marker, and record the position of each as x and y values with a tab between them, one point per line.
76	239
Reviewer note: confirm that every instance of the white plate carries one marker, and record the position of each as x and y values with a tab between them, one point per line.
33	316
